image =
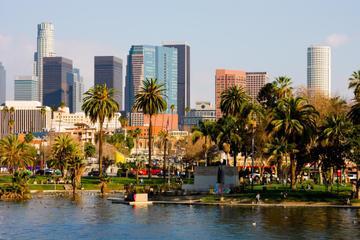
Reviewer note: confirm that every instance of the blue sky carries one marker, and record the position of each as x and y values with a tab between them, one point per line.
256	35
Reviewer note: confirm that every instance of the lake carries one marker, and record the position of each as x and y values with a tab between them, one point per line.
92	217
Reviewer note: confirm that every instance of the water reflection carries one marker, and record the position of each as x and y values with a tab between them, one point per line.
91	217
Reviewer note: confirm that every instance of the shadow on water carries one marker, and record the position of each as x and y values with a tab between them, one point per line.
88	216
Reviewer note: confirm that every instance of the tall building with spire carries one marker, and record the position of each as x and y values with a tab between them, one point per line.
45	48
2	84
319	70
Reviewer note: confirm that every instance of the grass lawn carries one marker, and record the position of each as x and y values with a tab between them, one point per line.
88	183
274	194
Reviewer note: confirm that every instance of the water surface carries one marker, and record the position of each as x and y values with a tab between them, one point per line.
91	217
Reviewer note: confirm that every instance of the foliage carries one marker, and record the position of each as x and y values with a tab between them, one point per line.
15	154
89	150
99	104
150	100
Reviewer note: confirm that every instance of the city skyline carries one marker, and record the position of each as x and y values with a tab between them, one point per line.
271	49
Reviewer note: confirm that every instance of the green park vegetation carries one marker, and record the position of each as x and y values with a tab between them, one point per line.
284	128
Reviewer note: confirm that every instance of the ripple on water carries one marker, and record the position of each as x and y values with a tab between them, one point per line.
92	217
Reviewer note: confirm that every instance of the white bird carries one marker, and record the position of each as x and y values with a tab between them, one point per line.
254	224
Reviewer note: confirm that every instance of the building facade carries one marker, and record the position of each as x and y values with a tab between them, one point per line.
27	117
319	70
108	70
45	48
77	90
225	79
145	62
58	82
164	120
2	84
203	111
26	88
254	82
183	75
63	119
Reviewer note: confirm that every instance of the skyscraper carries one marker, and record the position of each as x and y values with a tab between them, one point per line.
108	70
45	48
319	70
146	61
2	84
225	79
77	90
26	88
254	82
183	84
58	82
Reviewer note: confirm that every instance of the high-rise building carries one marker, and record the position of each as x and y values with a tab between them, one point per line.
145	62
27	117
77	90
45	48
183	84
26	88
254	82
319	70
225	79
2	84
108	70
58	82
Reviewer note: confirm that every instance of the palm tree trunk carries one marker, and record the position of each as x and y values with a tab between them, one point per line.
150	146
331	178
293	173
321	179
100	148
358	182
205	152
164	165
235	155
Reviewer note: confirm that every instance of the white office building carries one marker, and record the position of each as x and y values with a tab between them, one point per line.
319	70
23	116
45	48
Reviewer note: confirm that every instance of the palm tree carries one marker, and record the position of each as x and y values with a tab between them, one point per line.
98	104
207	131
229	136
293	119
124	123
283	87
150	100
333	140
354	113
164	138
136	134
354	82
233	101
43	113
172	108
67	155
11	122
15	154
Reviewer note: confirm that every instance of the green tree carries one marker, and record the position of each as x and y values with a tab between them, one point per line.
89	150
67	156
267	96
15	154
208	132
164	139
354	83
229	136
333	142
29	137
150	100
233	101
292	119
99	104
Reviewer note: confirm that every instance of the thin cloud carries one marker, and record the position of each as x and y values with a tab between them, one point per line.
337	40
